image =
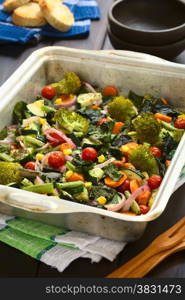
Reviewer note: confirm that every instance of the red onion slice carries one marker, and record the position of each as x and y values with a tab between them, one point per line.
89	87
117	206
104	164
67	103
29	120
63	137
38	180
134	195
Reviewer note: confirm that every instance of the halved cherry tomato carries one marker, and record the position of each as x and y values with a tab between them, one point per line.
48	92
101	121
89	153
144	209
30	165
59	139
76	177
110	182
110	91
180	123
117	127
56	159
155	151
154	181
124	187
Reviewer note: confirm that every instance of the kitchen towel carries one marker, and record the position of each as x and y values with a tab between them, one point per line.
58	247
84	11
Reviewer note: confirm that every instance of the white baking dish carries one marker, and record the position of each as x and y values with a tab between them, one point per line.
127	70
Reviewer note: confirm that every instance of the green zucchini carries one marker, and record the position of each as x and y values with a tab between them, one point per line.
133	174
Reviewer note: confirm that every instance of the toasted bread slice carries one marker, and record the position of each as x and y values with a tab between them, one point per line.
28	15
58	15
10	5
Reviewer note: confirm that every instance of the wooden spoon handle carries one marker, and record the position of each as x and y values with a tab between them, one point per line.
144	268
135	262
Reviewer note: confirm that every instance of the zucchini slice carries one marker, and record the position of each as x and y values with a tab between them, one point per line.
133	174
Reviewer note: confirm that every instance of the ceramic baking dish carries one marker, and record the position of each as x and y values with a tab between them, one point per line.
127	70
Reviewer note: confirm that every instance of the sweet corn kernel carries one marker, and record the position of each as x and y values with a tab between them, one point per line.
39	156
67	151
109	118
101	158
181	116
68	174
88	184
131	133
58	101
101	200
124	148
42	121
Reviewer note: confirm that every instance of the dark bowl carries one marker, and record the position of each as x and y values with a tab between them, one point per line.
148	22
169	51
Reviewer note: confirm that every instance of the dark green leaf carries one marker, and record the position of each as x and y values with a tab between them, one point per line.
19	112
112	172
136	99
121	139
3	133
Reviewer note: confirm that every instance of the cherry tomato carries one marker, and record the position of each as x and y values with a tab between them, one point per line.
15	147
124	187
48	92
56	159
144	209
101	121
154	181
59	139
89	154
180	123
110	91
30	165
155	151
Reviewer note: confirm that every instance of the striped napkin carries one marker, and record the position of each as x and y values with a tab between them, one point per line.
58	247
84	11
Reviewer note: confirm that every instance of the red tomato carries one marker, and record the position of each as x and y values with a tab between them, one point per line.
155	151
89	154
48	92
56	159
15	147
110	91
180	123
59	139
30	165
144	209
154	181
124	187
101	121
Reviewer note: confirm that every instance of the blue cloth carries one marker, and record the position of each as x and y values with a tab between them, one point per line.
84	11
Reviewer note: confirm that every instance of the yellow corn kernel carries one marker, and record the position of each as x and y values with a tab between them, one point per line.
181	116
27	128
101	200
101	158
124	148
68	174
39	156
67	151
58	101
109	118
88	184
131	133
42	121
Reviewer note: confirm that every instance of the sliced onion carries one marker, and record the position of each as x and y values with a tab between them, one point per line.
29	120
9	140
134	195
12	127
44	147
62	169
89	87
68	157
117	206
49	131
106	163
67	103
38	180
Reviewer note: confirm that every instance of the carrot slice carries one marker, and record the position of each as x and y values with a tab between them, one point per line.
144	197
110	182
65	146
117	127
163	117
76	177
95	107
134	185
128	165
110	91
167	163
118	163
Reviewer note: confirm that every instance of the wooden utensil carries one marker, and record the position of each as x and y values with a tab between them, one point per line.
165	244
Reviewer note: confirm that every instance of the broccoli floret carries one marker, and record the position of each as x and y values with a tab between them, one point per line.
69	85
175	133
121	109
71	122
147	128
9	172
143	160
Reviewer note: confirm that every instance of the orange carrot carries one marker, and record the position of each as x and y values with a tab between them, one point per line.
134	185
144	197
164	101
110	91
110	182
128	148
95	107
128	165
117	127
163	117
118	163
167	163
76	177
65	146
